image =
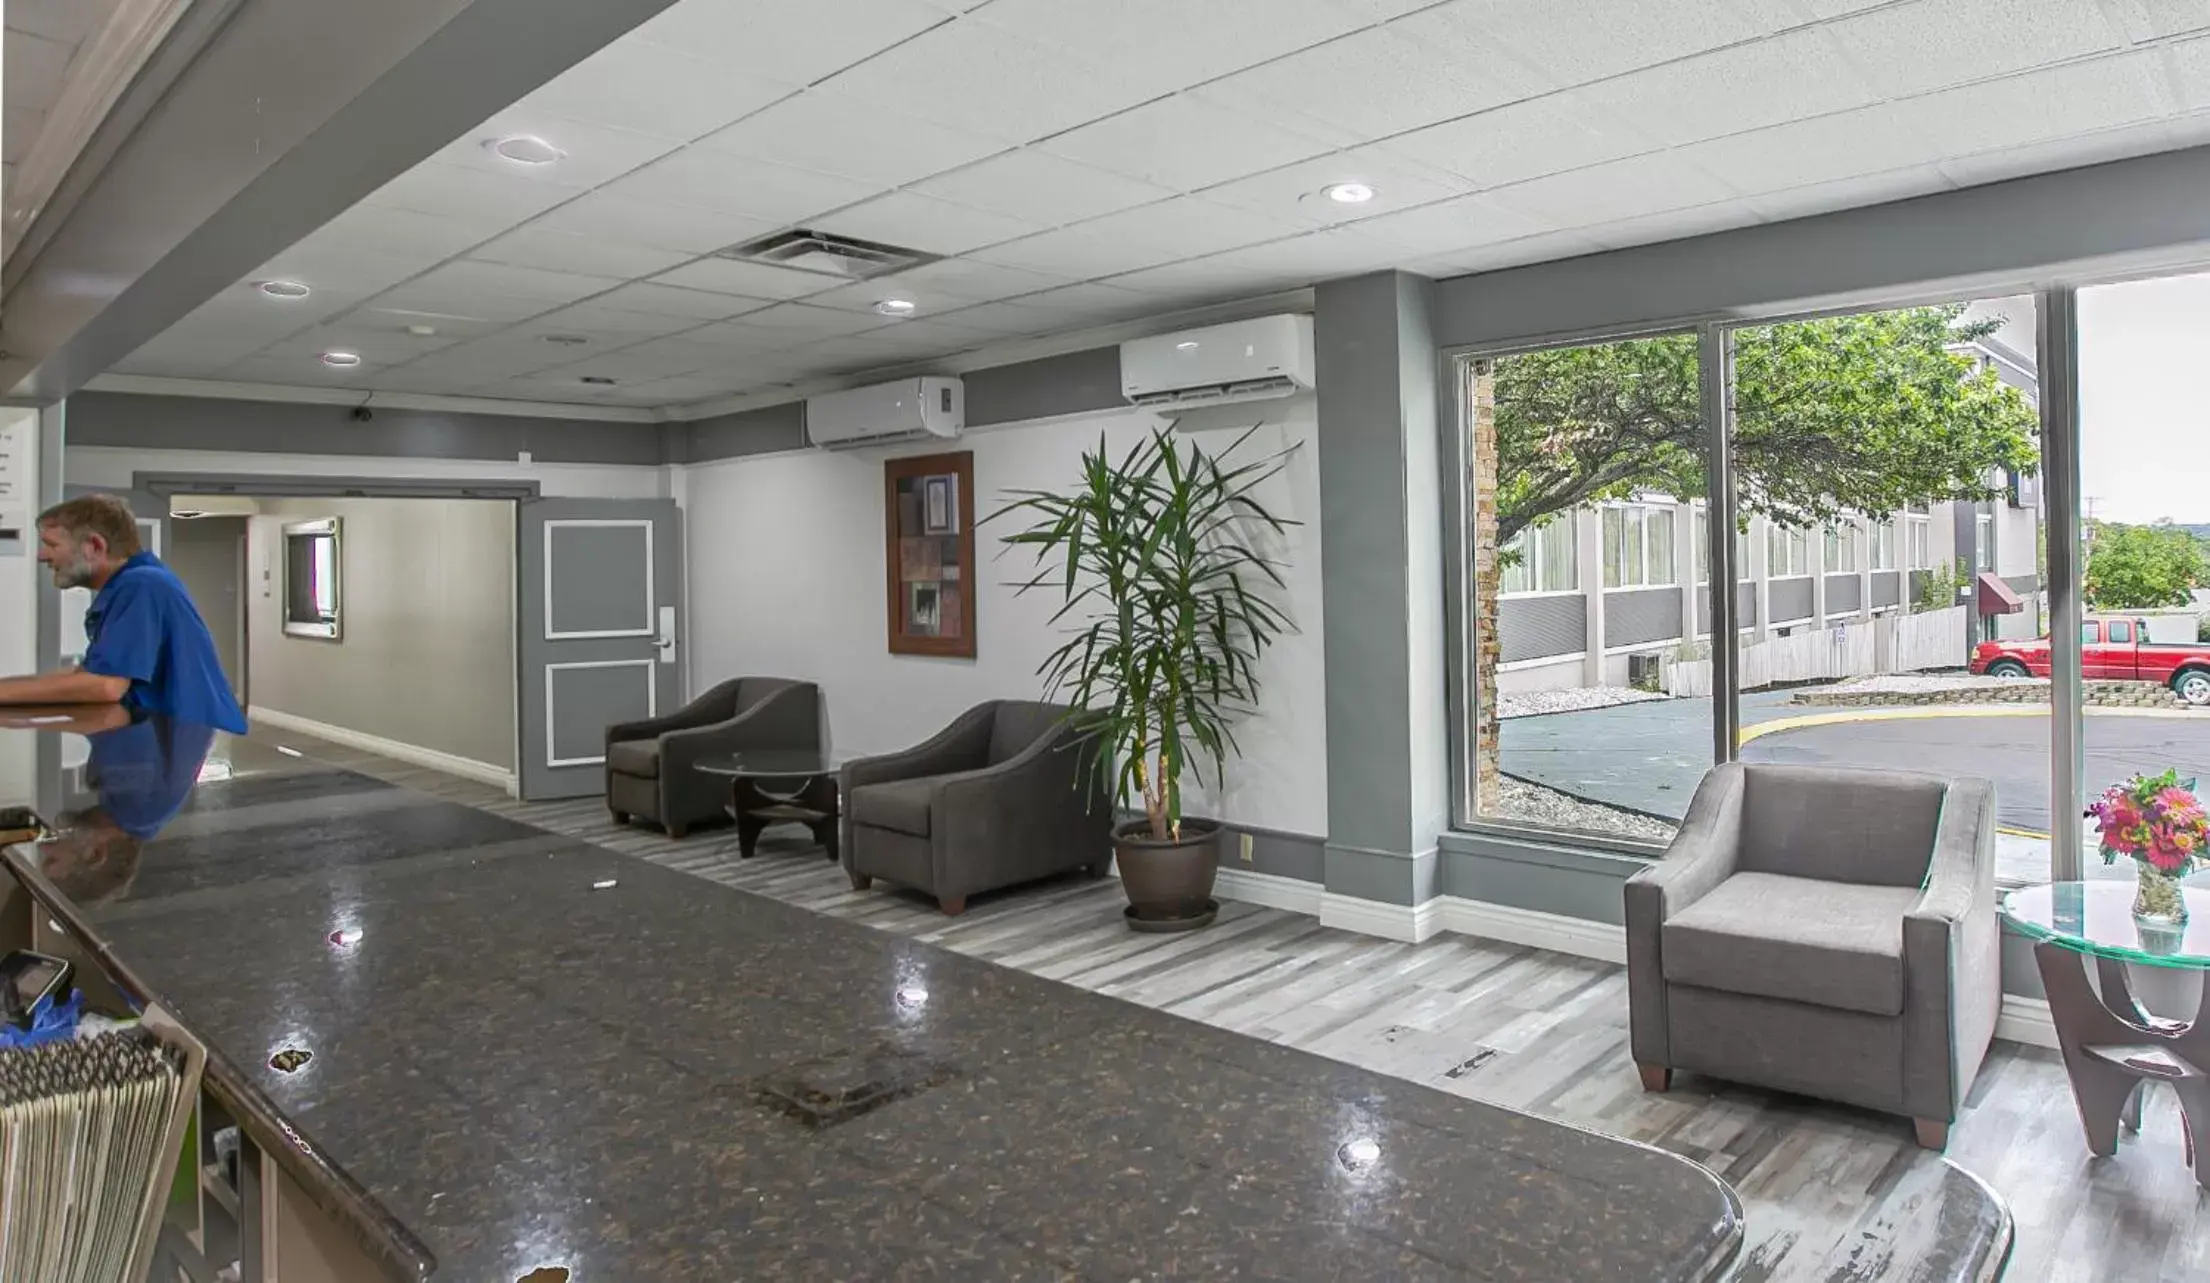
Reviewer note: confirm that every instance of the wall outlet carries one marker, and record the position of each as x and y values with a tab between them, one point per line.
1243	846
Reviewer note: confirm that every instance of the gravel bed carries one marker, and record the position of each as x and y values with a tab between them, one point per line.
1572	699
1519	800
1924	683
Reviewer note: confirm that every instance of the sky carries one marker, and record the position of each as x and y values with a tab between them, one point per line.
2145	399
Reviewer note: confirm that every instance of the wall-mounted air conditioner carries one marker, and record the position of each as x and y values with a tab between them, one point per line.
1270	356
887	413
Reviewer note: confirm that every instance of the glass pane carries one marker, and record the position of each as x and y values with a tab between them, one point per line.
1702	550
2091	634
1515	574
2120	631
1592	712
1881	414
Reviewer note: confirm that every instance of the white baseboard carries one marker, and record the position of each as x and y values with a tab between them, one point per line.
1270	890
1579	937
1372	918
2026	1020
467	768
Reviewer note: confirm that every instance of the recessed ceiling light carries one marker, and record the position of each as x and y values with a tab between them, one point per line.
599	379
1350	193
422	331
604	884
895	307
1186	345
283	289
564	340
524	149
341	360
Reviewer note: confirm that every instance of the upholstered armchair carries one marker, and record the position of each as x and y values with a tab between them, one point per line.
1824	931
1003	795
650	765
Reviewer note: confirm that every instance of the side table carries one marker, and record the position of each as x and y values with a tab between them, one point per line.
2113	1049
779	786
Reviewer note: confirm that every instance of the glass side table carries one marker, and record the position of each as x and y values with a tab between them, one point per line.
2113	1049
779	786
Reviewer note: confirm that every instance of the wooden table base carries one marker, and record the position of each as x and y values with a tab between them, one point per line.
754	808
2113	1050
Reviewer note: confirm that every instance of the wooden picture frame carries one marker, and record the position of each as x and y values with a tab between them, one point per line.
929	554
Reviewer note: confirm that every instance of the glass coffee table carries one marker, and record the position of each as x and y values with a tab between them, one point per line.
779	786
2113	1049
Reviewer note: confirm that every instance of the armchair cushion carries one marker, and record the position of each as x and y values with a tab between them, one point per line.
1840	824
902	806
1018	726
634	757
1828	944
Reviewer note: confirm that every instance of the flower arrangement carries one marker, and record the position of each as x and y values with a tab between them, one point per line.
2161	824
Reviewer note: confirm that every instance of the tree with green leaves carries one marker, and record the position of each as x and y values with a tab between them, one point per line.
2142	567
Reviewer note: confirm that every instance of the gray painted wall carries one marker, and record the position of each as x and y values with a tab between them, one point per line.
285	427
1791	599
1844	593
208	554
427	610
1634	616
729	436
1538	627
1075	383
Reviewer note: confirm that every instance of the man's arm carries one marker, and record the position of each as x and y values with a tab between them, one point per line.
74	687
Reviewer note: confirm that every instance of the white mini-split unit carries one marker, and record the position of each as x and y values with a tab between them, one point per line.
1270	356
887	413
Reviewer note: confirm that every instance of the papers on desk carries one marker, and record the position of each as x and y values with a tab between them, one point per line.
83	1129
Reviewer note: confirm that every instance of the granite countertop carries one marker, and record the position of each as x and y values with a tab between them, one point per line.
527	1051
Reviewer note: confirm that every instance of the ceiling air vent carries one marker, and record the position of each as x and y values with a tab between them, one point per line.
840	256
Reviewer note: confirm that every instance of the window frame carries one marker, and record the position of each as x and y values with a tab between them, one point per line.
1639	515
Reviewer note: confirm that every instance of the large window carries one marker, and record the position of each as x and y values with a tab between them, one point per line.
1787	553
311	579
1983	541
1841	550
1883	546
1638	546
1545	558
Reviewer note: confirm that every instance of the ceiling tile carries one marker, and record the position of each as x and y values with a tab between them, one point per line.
1545	247
738	185
326	266
2191	73
1848	193
1007	87
1769	82
467	276
596	319
829	134
18	131
500	356
2072	152
379	344
2079	98
1675	224
68	21
422	381
1088	302
1041	188
1299	260
929	338
752	280
1459	223
1146	236
801	43
652	359
1370	85
1205	280
34	69
655	224
946	280
2143	19
1176	43
302	372
573	251
912	221
1185	143
651	88
428	239
1521	140
243	310
655	299
596	154
789	324
853	354
1570	42
1932	44
459	191
1299	191
680	390
1842	145
743	344
1609	192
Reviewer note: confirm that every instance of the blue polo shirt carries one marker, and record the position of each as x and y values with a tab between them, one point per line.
143	626
145	772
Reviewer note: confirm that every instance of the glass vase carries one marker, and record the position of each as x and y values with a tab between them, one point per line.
2157	900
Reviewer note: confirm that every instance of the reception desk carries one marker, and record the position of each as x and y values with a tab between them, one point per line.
459	1047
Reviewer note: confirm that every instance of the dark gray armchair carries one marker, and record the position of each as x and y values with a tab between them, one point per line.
1003	795
1824	931
649	764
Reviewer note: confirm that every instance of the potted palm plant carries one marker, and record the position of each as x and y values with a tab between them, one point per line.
1157	563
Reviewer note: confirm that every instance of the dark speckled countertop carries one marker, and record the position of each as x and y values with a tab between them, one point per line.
515	1065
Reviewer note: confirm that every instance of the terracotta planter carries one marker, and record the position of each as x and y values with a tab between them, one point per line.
1169	884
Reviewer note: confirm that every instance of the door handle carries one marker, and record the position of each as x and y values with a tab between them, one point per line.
666	640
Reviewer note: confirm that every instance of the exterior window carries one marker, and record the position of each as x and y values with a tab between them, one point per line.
1638	546
2091	634
1983	542
1787	552
1883	546
1549	559
1841	550
1919	533
2120	631
1702	551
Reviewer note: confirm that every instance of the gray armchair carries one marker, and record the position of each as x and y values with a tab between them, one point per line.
1003	795
1824	931
650	764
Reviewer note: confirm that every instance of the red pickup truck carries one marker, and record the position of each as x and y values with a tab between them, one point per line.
2113	649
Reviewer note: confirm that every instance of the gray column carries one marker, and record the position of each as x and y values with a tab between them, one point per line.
1382	576
2058	350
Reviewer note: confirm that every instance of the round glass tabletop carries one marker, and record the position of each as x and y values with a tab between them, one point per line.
777	763
2097	918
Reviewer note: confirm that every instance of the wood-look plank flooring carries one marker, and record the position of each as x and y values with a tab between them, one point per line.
1833	1194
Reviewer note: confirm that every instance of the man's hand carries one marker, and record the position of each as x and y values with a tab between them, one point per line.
74	687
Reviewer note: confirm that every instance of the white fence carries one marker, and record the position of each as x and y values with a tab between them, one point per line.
1852	648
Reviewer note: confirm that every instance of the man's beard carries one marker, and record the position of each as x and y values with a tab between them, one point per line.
73	573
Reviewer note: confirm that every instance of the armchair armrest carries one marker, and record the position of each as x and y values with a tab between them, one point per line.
1705	852
1040	811
958	747
1952	984
716	705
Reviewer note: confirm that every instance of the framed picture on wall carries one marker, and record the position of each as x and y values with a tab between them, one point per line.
929	553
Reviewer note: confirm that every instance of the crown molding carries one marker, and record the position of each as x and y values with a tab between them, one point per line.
146	385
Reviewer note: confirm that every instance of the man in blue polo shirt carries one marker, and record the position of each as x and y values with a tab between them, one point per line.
148	649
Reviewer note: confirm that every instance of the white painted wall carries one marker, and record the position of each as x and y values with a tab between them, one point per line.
786	578
114	466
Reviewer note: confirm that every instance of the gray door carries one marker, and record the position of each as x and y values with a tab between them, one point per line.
152	512
599	597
